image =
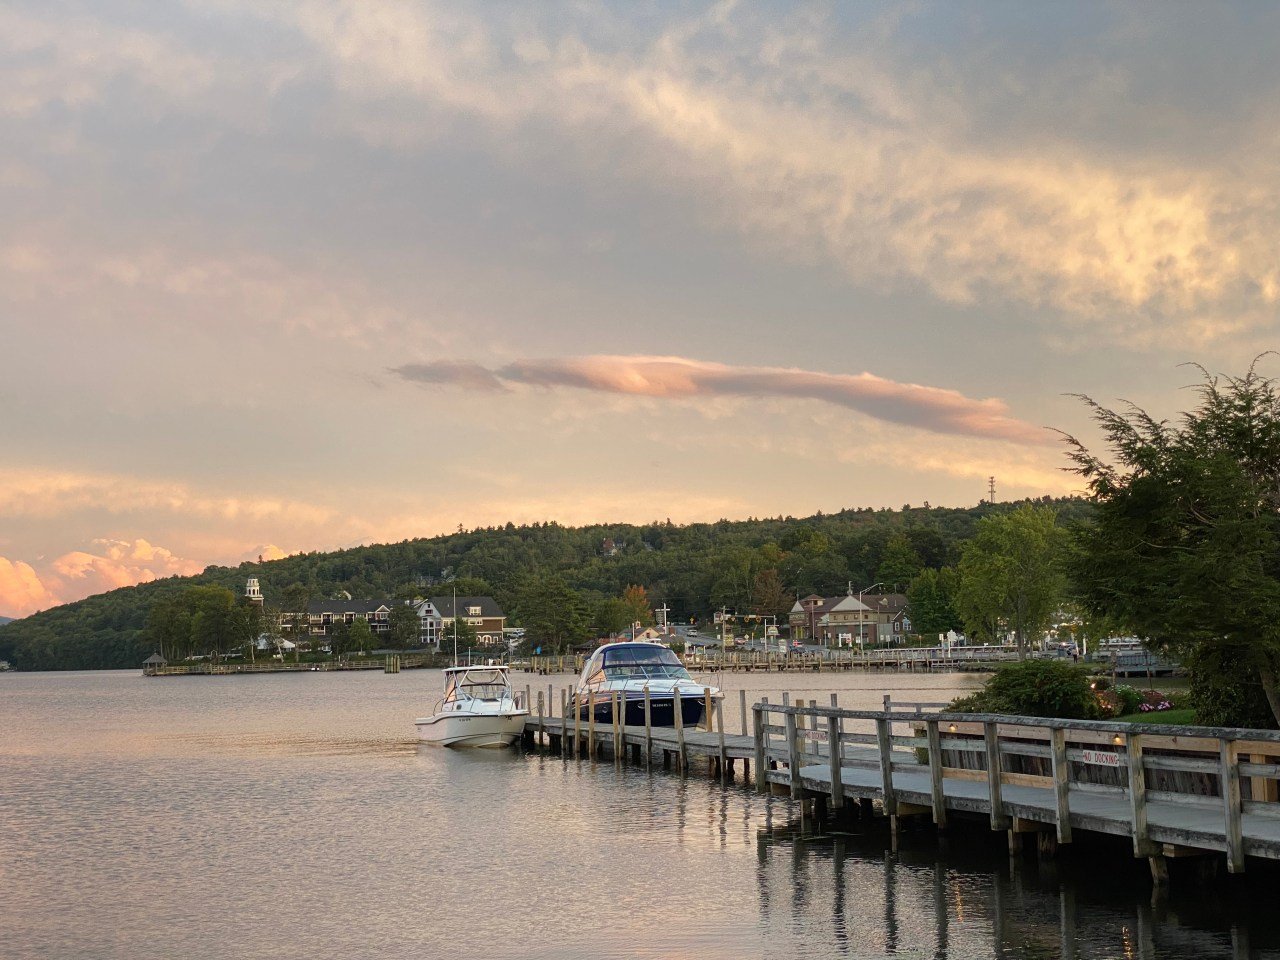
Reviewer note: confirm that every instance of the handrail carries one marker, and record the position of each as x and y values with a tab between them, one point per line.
1048	723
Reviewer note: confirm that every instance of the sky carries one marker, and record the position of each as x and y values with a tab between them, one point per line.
303	275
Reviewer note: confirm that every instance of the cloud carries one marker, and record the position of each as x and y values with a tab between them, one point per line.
24	588
838	147
927	408
454	373
44	493
944	167
21	589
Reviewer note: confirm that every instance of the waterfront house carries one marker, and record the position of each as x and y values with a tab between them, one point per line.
323	614
850	620
482	614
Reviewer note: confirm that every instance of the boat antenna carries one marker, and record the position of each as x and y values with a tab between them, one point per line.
455	626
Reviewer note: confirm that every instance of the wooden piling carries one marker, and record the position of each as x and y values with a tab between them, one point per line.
591	724
677	710
724	755
1061	783
1142	846
991	738
648	726
1230	776
884	739
758	720
742	703
937	795
576	703
564	721
793	754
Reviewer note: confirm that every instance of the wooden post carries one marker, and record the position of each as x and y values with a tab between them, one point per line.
591	724
793	755
576	703
528	697
708	717
759	717
1230	775
616	713
992	738
678	712
1061	783
564	721
885	743
540	724
1138	795
742	703
935	773
833	759
724	756
648	726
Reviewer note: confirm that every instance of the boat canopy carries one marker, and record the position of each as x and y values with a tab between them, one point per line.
476	683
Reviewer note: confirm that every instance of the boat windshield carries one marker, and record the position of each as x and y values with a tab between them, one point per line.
647	661
484	691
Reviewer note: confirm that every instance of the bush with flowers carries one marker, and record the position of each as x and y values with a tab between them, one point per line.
1153	701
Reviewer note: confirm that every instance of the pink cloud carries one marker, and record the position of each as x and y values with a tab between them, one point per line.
24	589
21	589
935	409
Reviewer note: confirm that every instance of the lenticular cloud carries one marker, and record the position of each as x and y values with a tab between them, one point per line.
928	408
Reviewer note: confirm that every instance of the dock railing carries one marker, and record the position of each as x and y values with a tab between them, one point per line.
1210	780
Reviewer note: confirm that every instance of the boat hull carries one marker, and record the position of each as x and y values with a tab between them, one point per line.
483	730
661	710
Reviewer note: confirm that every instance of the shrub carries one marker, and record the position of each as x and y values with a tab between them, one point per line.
1034	688
1130	699
1107	704
1223	695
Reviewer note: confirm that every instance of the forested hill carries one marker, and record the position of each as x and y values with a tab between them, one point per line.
4	620
694	569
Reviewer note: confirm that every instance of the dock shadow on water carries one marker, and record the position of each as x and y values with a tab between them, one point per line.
960	895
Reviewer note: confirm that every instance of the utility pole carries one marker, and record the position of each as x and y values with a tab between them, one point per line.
662	612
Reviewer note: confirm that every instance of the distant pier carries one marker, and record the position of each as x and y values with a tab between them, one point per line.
911	659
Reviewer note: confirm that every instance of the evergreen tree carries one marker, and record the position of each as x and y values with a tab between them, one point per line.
1185	547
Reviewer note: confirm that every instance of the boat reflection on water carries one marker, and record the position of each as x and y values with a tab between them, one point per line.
937	898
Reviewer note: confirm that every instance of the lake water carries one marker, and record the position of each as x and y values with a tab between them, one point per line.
296	816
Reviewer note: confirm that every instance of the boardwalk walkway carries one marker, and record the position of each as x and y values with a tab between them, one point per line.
1174	791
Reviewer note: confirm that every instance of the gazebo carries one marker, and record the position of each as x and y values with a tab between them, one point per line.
153	663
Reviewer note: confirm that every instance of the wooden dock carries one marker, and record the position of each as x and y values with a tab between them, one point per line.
827	661
1174	791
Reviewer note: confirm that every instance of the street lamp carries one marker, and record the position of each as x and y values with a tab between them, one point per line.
862	613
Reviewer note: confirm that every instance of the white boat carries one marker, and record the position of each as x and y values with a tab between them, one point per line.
629	668
478	710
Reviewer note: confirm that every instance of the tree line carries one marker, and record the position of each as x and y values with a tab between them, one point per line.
1177	541
758	565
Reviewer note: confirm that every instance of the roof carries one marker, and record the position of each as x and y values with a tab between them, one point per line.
889	603
348	606
488	606
154	658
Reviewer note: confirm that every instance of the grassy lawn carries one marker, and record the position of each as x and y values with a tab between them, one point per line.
1185	715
